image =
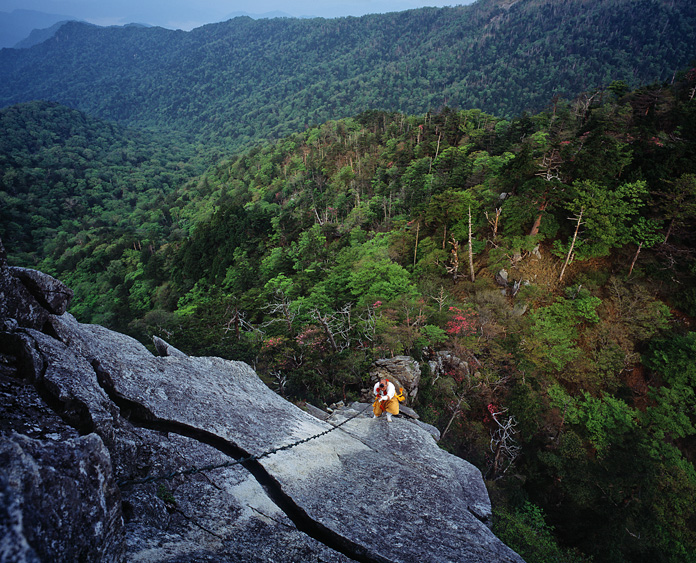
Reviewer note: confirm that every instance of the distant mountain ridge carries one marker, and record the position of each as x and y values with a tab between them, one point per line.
39	35
264	15
16	26
242	80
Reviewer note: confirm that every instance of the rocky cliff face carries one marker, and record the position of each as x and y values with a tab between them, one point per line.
109	453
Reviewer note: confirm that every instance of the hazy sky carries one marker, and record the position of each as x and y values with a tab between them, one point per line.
187	14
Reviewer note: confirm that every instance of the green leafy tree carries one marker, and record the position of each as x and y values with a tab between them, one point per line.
551	342
606	215
525	530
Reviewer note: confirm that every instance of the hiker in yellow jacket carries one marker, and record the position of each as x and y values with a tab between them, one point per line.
385	399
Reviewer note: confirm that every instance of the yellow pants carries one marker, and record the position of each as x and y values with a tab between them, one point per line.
390	405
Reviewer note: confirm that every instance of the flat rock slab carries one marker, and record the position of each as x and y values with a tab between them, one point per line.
383	491
219	516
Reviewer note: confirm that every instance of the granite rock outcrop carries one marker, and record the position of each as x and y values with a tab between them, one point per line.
111	453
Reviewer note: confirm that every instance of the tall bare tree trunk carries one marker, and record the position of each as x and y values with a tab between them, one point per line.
669	230
454	268
457	410
635	257
494	224
471	251
324	322
537	222
572	244
436	153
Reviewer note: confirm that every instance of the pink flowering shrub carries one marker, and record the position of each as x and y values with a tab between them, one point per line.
273	342
462	324
312	337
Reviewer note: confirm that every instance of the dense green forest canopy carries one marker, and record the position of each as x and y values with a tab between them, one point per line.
552	253
63	174
236	82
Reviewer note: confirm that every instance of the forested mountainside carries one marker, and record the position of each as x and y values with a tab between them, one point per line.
64	172
236	82
552	255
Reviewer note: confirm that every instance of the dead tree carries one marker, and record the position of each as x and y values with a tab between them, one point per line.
337	327
494	222
549	170
583	104
572	244
503	445
454	267
368	326
458	409
635	258
281	306
550	166
440	298
238	323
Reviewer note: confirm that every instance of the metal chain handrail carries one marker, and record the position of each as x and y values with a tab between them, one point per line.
194	470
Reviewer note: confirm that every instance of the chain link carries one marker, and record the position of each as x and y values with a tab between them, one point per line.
194	470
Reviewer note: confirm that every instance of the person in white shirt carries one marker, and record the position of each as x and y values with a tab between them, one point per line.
385	399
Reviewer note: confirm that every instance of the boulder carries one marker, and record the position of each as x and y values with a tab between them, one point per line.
444	361
324	482
51	293
403	371
501	278
18	307
61	499
519	309
27	296
165	349
221	515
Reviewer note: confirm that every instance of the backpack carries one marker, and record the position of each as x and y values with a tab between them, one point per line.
400	395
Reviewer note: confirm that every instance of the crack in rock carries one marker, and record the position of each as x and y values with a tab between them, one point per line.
141	416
